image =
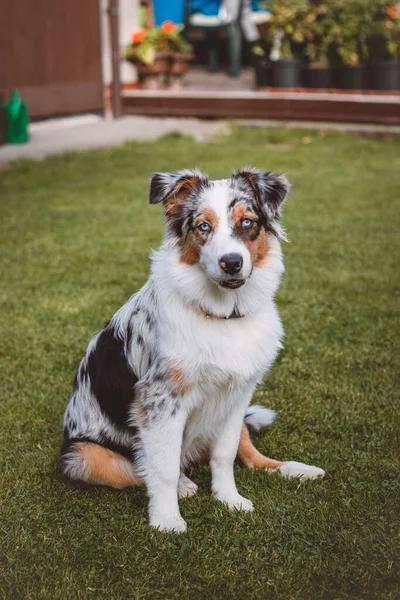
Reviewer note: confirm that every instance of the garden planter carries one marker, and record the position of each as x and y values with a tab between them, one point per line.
179	65
286	73
352	78
317	77
385	75
263	76
153	76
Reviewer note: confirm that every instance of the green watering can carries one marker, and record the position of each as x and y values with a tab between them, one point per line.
17	119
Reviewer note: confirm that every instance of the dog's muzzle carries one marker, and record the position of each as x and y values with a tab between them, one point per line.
231	264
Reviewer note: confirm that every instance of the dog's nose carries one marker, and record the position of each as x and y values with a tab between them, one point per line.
231	263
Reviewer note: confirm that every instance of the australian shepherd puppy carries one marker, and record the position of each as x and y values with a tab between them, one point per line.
169	380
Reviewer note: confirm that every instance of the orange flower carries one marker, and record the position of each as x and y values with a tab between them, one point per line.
138	36
168	27
392	12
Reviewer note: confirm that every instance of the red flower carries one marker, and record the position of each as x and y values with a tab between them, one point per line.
138	36
168	27
392	12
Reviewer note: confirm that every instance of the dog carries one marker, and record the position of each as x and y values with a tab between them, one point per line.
170	378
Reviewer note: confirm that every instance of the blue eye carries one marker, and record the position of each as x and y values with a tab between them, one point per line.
247	223
205	227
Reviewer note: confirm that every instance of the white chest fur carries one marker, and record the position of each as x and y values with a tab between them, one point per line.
241	348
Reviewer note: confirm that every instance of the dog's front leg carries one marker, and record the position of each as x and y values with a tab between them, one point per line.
159	454
223	453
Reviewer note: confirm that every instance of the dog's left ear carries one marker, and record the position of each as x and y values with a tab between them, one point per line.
270	190
173	189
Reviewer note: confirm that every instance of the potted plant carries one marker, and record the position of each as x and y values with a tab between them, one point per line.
350	32
181	53
286	37
262	66
159	52
318	40
149	53
385	46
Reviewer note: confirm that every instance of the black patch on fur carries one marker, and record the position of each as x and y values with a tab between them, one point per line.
111	378
250	234
129	333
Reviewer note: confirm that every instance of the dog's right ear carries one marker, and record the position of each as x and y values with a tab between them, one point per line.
173	189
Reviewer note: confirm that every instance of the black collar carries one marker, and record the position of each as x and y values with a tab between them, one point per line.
235	314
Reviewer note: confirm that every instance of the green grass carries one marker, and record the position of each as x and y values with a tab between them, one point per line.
75	237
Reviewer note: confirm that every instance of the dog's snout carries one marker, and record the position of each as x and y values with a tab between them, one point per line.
231	263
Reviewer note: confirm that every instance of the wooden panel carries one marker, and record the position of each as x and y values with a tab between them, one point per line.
50	51
323	107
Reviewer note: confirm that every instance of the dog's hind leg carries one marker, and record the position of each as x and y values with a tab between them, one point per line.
186	487
92	463
253	459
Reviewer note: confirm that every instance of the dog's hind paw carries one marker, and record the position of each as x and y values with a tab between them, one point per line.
186	487
300	470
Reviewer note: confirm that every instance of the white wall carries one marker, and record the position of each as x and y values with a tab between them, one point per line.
128	24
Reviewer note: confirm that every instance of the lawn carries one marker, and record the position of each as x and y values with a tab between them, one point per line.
76	232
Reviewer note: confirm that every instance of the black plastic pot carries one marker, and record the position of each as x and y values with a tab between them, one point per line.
286	73
263	76
385	75
352	78
317	77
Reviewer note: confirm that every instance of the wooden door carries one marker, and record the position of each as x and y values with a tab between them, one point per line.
50	51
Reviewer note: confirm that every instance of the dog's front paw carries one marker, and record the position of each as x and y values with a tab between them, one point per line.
165	523
186	487
235	502
300	470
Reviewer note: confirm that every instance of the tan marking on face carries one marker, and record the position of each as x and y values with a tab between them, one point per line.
179	381
190	253
240	212
258	248
251	457
207	216
105	467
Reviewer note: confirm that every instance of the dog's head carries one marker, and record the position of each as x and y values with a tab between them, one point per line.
222	225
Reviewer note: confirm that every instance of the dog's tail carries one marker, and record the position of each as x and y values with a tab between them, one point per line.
92	463
257	417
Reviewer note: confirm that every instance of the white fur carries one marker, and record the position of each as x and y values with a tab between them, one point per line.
300	470
258	417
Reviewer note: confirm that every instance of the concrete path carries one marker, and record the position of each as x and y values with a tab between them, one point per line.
91	131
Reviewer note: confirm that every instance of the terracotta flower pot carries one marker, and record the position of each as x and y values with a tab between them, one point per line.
179	65
153	76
